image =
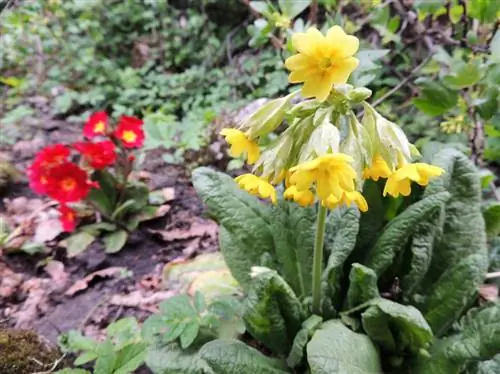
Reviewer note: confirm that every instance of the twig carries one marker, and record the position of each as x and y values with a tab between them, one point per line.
403	82
493	275
494	190
313	12
54	366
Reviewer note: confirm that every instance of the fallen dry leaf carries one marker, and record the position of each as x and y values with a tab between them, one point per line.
57	273
150	282
9	281
83	283
168	194
489	292
198	228
142	300
47	230
37	290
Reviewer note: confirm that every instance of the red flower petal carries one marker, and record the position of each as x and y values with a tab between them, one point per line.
96	125
130	132
67	218
98	155
67	183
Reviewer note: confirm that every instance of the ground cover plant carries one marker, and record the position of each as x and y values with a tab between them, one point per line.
300	187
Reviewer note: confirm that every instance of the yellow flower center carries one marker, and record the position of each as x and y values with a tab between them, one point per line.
68	184
326	63
129	136
99	127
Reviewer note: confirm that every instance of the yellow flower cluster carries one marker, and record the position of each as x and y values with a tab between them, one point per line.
399	181
317	162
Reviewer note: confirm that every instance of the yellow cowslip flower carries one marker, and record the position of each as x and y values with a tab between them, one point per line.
240	144
378	169
399	182
303	198
331	172
322	61
348	198
257	186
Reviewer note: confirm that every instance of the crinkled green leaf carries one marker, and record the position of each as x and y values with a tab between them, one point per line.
396	327
297	353
422	244
341	233
490	366
233	356
272	312
244	233
460	256
453	292
437	363
362	285
85	357
462	212
171	359
480	335
334	349
106	361
400	229
293	228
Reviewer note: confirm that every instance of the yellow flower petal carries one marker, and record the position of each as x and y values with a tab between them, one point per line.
256	186
322	61
399	182
240	144
303	198
308	42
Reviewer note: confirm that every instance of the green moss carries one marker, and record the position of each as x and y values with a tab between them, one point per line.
22	351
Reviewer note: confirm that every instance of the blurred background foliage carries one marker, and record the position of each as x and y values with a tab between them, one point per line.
433	65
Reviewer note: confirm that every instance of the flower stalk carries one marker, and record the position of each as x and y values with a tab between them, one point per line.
318	259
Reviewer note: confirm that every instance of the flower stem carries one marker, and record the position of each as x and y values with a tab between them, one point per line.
318	260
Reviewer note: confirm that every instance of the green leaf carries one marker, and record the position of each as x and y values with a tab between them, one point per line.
495	47
336	349
340	239
105	196
115	241
96	228
233	356
371	223
480	336
130	358
458	263
491	215
75	342
362	286
396	327
272	312
293	228
85	357
422	245
171	359
79	242
123	209
292	8
489	107
453	292
105	363
189	334
400	229
466	76
435	99
490	366
298	351
72	371
259	6
485	11
244	222
438	362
